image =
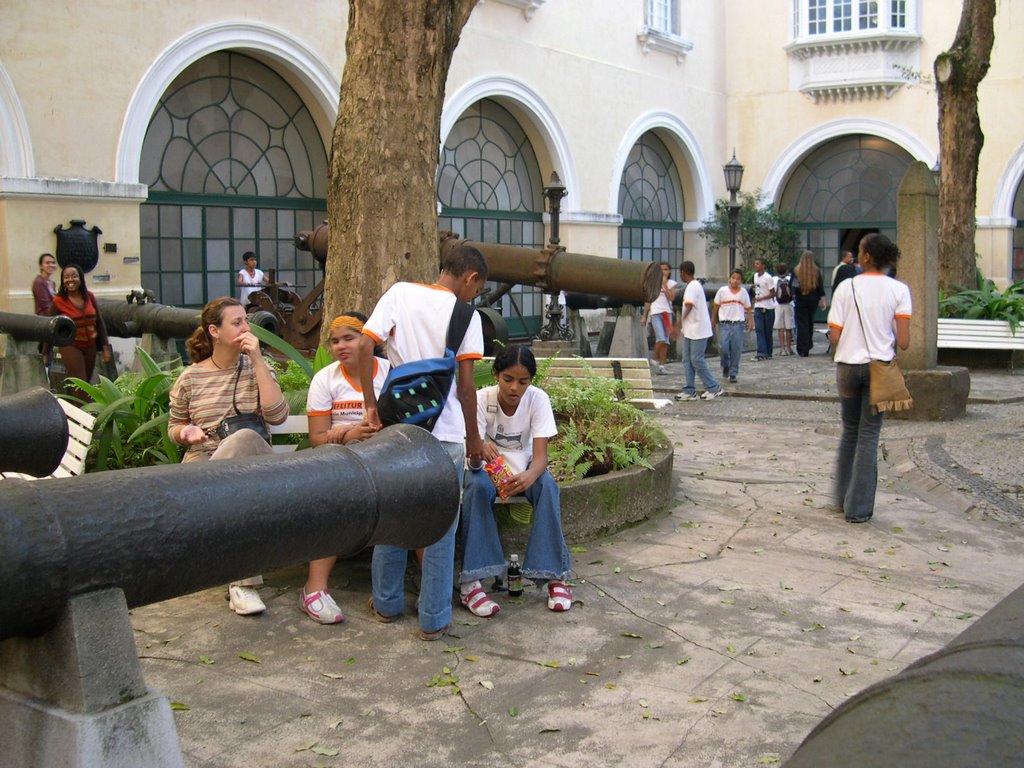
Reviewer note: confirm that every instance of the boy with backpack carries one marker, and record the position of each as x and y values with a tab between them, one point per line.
784	316
413	318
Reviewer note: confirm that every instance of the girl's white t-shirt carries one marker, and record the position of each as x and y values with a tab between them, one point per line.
882	300
333	392
514	434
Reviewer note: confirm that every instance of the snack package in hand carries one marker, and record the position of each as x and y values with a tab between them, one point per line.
500	475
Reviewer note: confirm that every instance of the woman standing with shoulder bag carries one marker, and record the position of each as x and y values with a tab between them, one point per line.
869	318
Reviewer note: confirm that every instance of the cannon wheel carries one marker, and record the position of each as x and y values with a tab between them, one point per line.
494	327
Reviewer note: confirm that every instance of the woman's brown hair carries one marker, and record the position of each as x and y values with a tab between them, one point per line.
200	344
807	273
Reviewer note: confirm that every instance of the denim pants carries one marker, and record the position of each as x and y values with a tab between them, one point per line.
694	365
764	324
387	570
730	347
547	557
857	462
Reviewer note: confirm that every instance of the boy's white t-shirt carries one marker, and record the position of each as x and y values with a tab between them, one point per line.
413	319
697	322
732	307
514	434
333	392
763	286
882	300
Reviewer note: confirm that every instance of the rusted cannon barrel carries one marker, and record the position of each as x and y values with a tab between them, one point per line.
959	707
58	331
552	269
161	532
132	320
33	433
588	301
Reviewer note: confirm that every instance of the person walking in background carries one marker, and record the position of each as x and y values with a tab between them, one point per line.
764	310
732	312
43	288
695	324
784	310
844	271
845	257
870	317
249	278
659	314
808	295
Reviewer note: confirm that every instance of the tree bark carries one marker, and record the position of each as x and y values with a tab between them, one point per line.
381	198
958	73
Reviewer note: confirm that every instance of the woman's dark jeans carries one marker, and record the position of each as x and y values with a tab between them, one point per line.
857	462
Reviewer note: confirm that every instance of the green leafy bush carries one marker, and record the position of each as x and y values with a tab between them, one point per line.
985	303
131	417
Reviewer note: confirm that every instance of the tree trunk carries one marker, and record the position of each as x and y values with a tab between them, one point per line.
958	72
381	198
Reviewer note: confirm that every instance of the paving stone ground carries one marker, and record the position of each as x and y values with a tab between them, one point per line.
717	634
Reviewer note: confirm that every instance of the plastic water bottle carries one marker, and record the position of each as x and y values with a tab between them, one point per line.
515	577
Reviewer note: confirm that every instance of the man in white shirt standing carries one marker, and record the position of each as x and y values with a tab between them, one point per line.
695	324
764	310
249	278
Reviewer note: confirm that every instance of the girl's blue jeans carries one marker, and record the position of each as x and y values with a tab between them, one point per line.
857	461
547	557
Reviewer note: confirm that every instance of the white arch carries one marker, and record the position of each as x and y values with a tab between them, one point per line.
291	54
785	162
555	142
1006	188
16	159
705	201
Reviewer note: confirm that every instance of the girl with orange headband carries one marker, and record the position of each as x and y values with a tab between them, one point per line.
334	408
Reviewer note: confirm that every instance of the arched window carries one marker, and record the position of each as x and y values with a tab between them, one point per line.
651	204
843	190
490	190
234	163
1017	264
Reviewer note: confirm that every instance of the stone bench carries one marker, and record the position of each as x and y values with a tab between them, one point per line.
634	372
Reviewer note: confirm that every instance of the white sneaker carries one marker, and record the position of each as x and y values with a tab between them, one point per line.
320	607
682	397
711	395
245	601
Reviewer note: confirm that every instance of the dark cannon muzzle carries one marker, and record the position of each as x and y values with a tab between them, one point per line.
33	432
127	321
161	532
58	331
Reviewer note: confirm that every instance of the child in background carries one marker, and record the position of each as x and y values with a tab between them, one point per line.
334	408
517	421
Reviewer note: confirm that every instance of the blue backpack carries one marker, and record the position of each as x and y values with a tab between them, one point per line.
415	393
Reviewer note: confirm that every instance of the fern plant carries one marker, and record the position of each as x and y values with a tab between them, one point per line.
985	303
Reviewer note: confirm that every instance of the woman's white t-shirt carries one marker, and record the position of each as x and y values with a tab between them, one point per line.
882	300
662	305
514	434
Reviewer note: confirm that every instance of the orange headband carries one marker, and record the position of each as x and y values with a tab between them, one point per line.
344	321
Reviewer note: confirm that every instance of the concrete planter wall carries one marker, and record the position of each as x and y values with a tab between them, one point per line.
600	505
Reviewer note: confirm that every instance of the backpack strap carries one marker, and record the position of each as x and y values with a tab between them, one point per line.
462	314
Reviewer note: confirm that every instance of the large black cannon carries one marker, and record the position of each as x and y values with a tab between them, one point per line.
33	433
57	331
160	532
128	320
959	707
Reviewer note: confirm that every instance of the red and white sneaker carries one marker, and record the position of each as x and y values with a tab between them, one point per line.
559	596
477	601
320	607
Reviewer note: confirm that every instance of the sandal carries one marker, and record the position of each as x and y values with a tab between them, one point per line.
559	596
437	634
478	603
377	614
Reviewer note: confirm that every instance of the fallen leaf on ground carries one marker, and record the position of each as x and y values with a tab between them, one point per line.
249	657
487	684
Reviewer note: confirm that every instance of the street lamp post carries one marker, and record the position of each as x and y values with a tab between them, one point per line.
554	328
733	178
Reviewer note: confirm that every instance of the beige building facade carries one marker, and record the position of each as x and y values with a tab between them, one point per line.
191	133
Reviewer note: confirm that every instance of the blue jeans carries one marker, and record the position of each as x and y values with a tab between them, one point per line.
695	364
547	557
730	347
387	570
764	324
857	461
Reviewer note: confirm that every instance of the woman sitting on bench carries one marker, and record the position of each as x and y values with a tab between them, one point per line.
516	422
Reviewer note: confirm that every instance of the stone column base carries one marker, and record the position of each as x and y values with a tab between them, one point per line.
940	394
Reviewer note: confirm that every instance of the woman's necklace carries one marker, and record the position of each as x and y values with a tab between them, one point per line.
218	366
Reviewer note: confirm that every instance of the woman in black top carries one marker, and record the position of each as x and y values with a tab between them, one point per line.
808	295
